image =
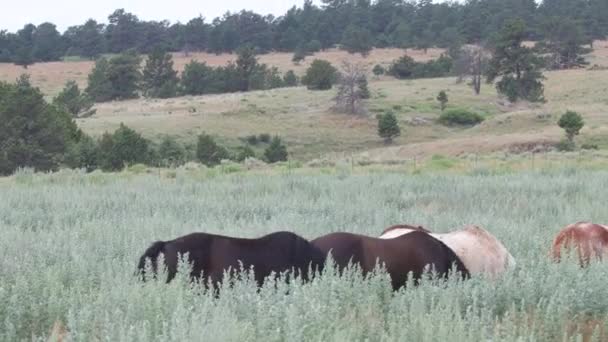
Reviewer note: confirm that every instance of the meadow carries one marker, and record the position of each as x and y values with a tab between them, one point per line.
71	241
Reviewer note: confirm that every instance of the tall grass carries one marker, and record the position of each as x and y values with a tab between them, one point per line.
70	243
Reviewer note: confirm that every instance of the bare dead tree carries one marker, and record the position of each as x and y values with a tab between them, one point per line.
471	64
351	96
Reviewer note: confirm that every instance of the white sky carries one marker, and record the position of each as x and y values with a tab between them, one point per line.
65	13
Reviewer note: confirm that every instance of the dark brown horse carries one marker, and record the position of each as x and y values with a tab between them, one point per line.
415	252
211	255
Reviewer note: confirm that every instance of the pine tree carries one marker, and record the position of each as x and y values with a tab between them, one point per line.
208	151
388	127
276	151
159	78
76	103
516	65
572	123
443	99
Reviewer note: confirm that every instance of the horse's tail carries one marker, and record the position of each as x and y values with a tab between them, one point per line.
151	253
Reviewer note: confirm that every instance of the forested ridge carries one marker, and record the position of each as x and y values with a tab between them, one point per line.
355	25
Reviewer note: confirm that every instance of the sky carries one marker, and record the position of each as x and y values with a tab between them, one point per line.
65	13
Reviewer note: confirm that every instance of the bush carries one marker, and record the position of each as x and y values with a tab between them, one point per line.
208	152
290	79
83	155
378	70
264	138
565	145
590	147
276	151
403	68
460	117
252	139
321	75
244	152
124	146
170	152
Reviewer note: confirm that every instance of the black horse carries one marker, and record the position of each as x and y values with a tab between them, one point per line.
413	252
211	255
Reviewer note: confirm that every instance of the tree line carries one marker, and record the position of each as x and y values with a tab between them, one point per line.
121	77
355	25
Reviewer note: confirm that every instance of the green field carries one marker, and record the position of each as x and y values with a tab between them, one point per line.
71	241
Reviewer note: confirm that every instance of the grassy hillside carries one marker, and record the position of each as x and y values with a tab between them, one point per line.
311	128
71	241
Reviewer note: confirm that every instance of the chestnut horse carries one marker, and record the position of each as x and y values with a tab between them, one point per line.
211	255
589	239
415	252
479	250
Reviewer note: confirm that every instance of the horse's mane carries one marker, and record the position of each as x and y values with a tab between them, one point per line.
406	226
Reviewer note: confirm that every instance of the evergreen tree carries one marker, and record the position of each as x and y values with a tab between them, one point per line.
124	74
72	100
357	40
124	146
572	123
321	75
443	99
208	151
99	86
197	79
516	65
33	134
276	151
170	152
159	79
564	40
290	79
246	65
388	127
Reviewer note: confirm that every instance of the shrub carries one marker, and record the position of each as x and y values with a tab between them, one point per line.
461	117
378	70
403	67
252	139
590	147
276	151
264	138
321	75
244	152
84	154
124	146
290	79
565	145
388	127
208	151
170	152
